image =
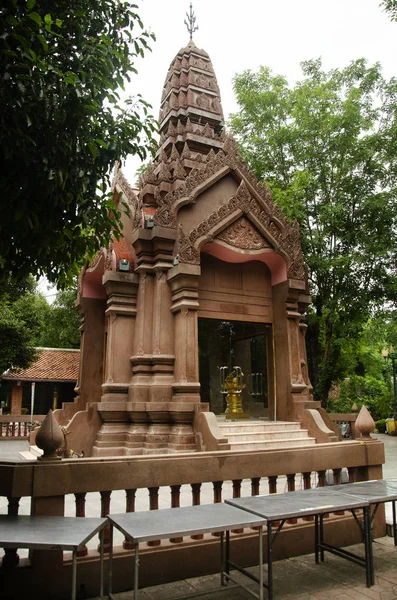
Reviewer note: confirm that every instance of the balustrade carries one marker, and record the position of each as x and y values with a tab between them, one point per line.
18	426
214	477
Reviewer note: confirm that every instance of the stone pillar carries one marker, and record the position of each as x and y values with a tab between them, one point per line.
183	280
184	286
162	340
150	390
16	398
121	290
89	384
290	354
142	344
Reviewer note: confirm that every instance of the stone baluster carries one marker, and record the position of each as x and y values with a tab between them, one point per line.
154	505
322	482
237	494
352	474
255	483
272	481
196	501
217	498
129	507
175	503
80	512
105	510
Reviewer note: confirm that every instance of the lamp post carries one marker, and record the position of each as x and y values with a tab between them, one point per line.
389	353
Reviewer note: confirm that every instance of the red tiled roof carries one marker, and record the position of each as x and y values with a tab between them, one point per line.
53	364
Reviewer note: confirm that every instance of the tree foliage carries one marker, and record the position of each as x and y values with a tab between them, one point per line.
23	314
326	148
62	328
27	321
62	128
390	6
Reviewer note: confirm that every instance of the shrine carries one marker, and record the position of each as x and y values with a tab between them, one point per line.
208	280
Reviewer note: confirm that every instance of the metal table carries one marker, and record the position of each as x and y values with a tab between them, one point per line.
281	507
52	533
154	525
376	492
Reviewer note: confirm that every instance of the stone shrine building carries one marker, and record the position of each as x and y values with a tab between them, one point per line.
209	276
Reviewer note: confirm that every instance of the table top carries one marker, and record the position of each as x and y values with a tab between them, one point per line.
190	520
43	533
276	507
382	490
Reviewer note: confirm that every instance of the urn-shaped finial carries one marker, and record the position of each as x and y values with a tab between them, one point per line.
49	437
365	423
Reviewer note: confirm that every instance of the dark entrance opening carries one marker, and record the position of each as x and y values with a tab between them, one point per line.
231	344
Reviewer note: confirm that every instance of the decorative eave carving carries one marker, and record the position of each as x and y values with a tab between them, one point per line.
243	235
121	184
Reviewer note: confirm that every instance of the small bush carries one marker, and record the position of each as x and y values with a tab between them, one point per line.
381	426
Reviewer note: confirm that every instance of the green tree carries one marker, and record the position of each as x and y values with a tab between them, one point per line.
62	128
62	328
326	148
23	316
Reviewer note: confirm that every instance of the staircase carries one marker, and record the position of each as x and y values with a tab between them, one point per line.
264	435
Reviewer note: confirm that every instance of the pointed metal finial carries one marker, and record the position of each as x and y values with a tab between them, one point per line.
191	22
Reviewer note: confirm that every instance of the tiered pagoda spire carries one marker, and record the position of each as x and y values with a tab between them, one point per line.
191	123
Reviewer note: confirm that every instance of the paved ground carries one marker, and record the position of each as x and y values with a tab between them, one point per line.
300	578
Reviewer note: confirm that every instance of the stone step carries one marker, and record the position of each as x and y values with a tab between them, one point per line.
252	436
254	426
272	444
32	453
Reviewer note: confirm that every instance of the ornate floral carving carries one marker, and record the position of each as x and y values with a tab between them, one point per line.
242	234
186	251
174	153
208	131
179	171
203	101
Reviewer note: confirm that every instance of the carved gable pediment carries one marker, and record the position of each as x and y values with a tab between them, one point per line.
243	235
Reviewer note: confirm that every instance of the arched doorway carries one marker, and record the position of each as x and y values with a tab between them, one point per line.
235	329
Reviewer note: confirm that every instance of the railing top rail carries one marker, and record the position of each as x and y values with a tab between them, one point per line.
343	416
20	418
57	478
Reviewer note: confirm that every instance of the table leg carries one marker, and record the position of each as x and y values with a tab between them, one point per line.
102	535
261	562
136	570
228	552
321	537
369	558
394	523
74	578
222	542
110	575
316	538
269	561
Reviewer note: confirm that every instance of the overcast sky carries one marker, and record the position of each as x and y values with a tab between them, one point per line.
274	33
